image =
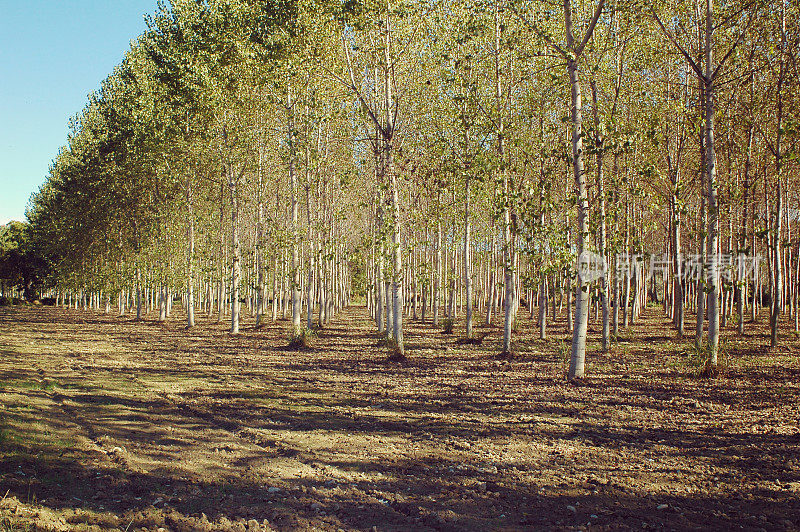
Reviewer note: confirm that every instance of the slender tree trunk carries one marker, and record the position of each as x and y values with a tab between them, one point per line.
616	268
452	269
713	206
437	290
190	259
492	278
796	293
261	281
508	244
397	259
601	237
162	300
222	261
578	351
543	308
626	289
387	299
467	257
236	272
311	251
138	294
678	296
703	221
700	292
295	229
777	263
414	284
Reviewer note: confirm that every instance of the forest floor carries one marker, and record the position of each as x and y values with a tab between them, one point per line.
108	423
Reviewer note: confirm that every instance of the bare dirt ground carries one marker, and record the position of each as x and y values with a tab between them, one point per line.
106	423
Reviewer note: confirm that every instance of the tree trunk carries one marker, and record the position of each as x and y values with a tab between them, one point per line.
601	236
467	258
543	308
508	244
311	251
138	293
190	259
579	331
397	259
713	206
437	290
222	261
261	281
777	262
162	301
236	272
295	273
678	296
492	278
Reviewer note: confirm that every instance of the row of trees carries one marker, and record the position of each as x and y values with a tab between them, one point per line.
22	270
440	159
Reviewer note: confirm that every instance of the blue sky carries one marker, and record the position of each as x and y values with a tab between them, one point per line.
53	53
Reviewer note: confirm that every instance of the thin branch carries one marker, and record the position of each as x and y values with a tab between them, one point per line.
695	66
735	45
355	89
597	12
538	31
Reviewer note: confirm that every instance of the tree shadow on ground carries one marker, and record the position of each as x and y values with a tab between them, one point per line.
176	424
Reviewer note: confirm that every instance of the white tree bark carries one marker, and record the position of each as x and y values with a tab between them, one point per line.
236	272
467	258
295	229
190	318
711	180
574	51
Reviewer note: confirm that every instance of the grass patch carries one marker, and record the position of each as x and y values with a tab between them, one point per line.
302	341
9	523
33	384
447	326
699	363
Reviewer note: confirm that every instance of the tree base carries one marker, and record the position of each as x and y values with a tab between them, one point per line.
447	326
299	343
710	371
397	356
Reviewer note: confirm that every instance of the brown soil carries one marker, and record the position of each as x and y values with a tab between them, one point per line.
107	423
